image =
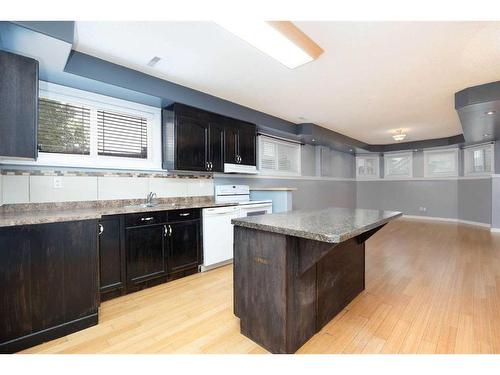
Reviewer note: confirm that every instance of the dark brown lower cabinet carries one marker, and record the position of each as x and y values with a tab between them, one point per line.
184	248
48	282
111	257
166	248
146	256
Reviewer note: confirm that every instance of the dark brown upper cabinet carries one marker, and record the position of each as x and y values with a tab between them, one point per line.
241	140
18	106
197	140
216	146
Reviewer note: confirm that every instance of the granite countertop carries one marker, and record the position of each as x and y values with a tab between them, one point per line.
272	189
71	211
333	224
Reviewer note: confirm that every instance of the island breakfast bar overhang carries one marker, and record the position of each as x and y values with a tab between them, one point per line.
294	271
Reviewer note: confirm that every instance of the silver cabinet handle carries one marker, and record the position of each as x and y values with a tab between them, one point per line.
147	218
185	214
211	166
165	231
169	230
101	229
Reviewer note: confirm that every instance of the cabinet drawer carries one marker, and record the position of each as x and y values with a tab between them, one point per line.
145	218
182	215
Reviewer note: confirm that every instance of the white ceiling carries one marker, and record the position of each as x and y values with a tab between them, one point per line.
374	77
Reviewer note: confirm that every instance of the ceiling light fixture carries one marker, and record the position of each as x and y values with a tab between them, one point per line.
281	40
490	112
399	136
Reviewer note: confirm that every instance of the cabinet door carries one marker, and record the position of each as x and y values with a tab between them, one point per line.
111	257
246	142
231	141
184	246
216	149
18	106
48	278
192	144
146	258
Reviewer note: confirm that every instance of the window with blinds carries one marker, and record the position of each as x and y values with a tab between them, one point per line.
122	135
479	160
441	163
398	165
367	167
63	128
278	157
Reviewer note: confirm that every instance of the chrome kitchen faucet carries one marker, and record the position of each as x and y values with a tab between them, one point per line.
150	197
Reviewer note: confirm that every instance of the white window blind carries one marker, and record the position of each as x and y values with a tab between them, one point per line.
479	160
441	163
278	157
63	128
367	167
398	165
122	135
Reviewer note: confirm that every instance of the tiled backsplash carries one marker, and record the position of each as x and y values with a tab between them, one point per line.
26	186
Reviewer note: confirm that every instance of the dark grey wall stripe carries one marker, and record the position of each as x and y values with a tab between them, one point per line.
105	71
62	30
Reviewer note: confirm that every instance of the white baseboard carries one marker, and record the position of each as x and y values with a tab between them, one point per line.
215	265
495	230
447	219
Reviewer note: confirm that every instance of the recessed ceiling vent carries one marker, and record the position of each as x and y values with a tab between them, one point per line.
154	61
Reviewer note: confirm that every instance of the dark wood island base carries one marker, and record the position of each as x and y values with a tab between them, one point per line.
286	287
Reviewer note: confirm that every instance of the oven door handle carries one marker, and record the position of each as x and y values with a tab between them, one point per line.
257	205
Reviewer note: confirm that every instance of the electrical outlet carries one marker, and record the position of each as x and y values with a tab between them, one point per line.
422	209
57	182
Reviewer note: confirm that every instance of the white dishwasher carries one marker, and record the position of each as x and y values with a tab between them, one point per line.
218	236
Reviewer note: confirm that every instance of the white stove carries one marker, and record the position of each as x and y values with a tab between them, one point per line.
217	227
239	194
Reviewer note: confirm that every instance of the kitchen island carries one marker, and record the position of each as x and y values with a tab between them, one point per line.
294	271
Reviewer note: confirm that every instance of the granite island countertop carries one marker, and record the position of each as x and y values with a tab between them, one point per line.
26	214
333	224
273	189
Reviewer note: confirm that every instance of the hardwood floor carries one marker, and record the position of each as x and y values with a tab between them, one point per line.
431	287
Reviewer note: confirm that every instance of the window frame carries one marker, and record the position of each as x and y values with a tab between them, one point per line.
428	174
468	156
102	102
276	172
374	176
387	156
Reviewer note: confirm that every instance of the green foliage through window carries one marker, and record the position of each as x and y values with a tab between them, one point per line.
63	128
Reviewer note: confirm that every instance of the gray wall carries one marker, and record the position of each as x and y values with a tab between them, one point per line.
310	194
495	204
308	160
332	163
438	197
474	200
469	200
497	157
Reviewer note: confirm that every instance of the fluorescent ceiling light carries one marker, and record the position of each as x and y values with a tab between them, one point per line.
281	40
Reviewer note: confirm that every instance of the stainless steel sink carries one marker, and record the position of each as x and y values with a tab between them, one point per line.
149	205
142	205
